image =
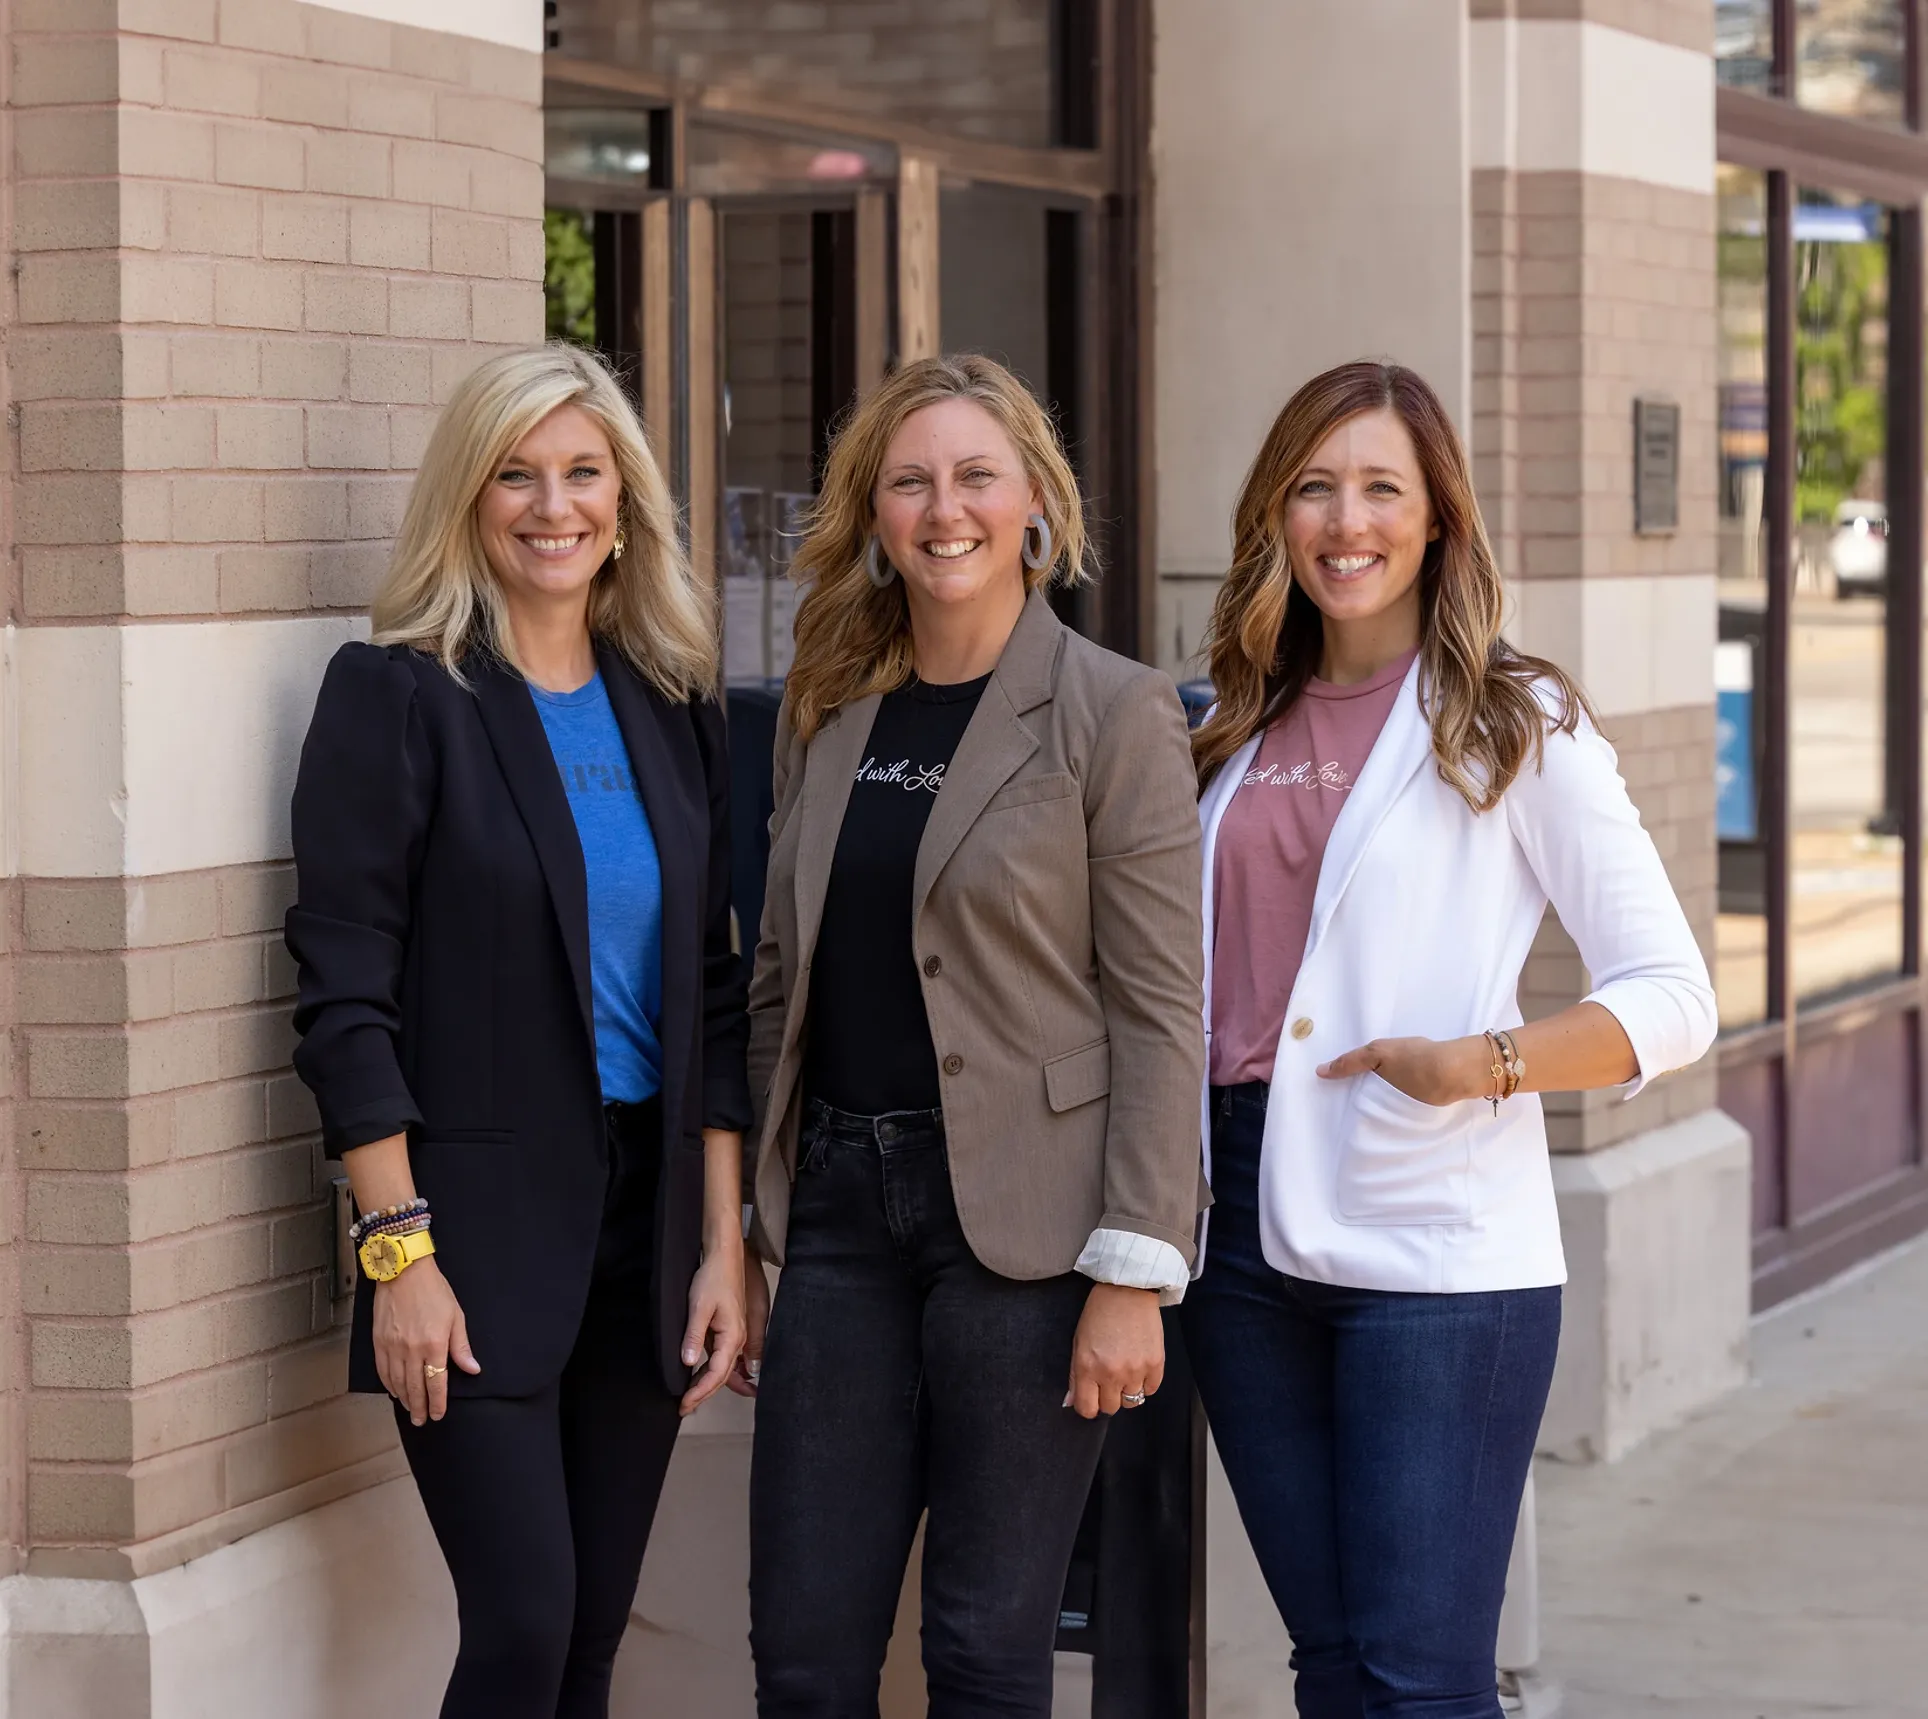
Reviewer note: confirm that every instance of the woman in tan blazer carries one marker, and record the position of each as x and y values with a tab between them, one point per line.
977	1045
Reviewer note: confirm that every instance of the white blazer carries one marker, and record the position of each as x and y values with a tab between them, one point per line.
1423	917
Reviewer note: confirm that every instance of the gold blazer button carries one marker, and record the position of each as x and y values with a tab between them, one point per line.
1302	1028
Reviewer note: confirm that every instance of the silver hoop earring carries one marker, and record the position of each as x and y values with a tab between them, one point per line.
879	570
1038	523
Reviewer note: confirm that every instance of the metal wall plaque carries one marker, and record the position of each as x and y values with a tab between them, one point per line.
1656	467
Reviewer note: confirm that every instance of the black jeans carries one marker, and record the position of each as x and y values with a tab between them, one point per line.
1377	1444
542	1505
901	1375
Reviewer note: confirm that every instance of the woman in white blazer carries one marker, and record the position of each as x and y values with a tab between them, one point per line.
1391	796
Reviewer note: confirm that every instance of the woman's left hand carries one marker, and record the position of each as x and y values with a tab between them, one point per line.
716	1314
1119	1351
1434	1071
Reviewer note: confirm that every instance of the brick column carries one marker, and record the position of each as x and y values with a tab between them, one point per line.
258	243
1592	140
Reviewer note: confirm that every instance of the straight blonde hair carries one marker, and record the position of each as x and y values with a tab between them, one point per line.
442	596
1482	697
853	639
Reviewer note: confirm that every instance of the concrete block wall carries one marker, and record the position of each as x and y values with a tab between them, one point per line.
259	242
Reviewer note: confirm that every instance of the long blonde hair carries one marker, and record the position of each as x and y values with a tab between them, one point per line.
853	639
441	595
1264	643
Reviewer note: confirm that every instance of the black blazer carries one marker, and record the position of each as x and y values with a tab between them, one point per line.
441	931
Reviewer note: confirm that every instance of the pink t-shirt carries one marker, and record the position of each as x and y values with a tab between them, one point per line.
1271	843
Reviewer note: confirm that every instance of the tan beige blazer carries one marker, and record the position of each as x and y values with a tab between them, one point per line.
1057	928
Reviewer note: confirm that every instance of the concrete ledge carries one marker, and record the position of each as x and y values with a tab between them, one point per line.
1659	1252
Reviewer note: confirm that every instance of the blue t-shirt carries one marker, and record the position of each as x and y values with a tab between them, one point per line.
625	887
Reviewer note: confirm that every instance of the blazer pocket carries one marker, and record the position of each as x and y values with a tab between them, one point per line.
1402	1161
1032	791
1078	1076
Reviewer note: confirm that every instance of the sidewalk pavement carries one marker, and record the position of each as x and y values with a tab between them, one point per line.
1769	1560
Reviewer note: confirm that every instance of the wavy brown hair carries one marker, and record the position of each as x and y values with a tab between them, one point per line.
1490	706
853	639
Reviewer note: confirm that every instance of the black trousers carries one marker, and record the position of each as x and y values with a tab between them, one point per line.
542	1505
899	1376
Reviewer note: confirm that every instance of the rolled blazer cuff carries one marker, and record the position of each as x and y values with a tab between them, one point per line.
726	1102
1135	1261
1669	1022
366	1123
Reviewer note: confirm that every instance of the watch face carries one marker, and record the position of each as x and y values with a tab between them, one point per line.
383	1256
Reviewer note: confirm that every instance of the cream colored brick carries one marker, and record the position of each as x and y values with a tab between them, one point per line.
61	17
272	578
64	287
144	364
199	82
145	507
217	510
466	244
76	989
310	1373
76	1282
217	1118
428	310
389	236
306	510
347	575
67	1208
65	70
70	438
168	438
75	1355
291	1108
176	1490
433	173
392	107
57	508
304	369
432	54
514	73
113	1136
348	164
508	187
309	229
227	973
303	1242
526	251
278	974
408	436
261	1319
167	289
258	438
185	1412
346	304
69	1504
187	1268
389	373
448	365
217	365
175	1199
168	581
66	364
347	438
375	506
301	1447
183	908
268	156
258	295
65	143
214	220
255	1042
80	1428
256	899
346	39
489	122
67	215
189	20
157	144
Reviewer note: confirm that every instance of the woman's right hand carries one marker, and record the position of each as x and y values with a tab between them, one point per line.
419	1325
756	1305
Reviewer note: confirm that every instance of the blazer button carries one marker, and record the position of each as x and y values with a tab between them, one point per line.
953	1064
933	965
1302	1028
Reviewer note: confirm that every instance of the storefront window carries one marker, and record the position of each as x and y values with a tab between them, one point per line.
1740	930
1845	912
1744	43
1850	57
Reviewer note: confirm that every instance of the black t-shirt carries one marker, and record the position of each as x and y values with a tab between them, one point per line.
870	1039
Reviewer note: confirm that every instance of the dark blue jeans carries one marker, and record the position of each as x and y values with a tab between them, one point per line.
1377	1444
899	1376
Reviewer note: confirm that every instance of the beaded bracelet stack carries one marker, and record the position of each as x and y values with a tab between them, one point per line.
1509	1067
402	1220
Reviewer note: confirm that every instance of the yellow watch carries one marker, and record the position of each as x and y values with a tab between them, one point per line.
385	1257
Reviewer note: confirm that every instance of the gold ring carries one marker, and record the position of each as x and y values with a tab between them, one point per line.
433	1371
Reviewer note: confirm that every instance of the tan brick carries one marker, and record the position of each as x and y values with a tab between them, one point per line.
166	289
217	1118
306	510
375	506
144	364
168	438
291	1108
489	122
270	26
389	236
115	1136
163	580
311	229
94	1282
428	310
508	313
345	39
65	70
57	508
389	373
526	252
183	1051
213	220
254	1042
392	107
89	914
70	582
348	164
81	1428
67	215
258	295
274	578
508	187
227	973
69	1504
301	1447
515	73
262	1319
432	54
436	173
308	1374
67	364
256	899
70	438
222	366
63	1207
408	436
89	988
346	304
157	144
189	20
65	143
278	974
448	365
303	1242
347	438
268	156
70	1355
70	287
258	438
61	17
200	82
210	509
304	369
347	575
466	244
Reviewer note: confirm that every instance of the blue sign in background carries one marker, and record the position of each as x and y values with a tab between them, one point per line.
1735	810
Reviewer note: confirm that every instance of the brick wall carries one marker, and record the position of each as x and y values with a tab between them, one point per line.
259	244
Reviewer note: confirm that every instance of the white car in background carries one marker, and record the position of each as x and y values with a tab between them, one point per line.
1858	550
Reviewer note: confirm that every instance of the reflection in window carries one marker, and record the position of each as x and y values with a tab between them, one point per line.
1845	924
1850	56
1740	930
1744	44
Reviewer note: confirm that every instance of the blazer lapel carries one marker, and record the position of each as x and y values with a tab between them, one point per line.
521	746
681	833
829	771
1404	745
995	742
1211	813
